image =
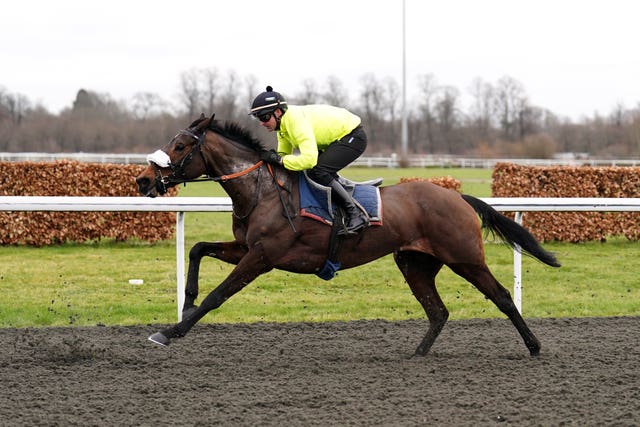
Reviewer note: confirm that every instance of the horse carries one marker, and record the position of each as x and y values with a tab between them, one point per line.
425	227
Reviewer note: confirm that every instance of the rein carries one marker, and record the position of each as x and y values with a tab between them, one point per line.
178	169
222	178
278	186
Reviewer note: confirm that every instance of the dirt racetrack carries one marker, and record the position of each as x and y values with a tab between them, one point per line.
302	374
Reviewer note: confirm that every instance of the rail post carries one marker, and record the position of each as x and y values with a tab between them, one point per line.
180	285
517	270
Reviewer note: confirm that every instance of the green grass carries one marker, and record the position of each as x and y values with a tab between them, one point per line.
87	284
474	181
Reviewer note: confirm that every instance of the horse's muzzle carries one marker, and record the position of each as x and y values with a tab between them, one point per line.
150	187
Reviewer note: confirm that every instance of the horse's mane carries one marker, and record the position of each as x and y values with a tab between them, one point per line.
235	132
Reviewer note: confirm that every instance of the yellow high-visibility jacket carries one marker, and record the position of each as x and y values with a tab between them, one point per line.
310	128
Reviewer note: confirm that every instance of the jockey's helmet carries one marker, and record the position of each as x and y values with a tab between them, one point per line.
268	102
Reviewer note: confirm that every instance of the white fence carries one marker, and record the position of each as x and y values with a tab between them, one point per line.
393	161
519	205
435	161
223	204
127	204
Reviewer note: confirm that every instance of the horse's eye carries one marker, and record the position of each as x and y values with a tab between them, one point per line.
179	146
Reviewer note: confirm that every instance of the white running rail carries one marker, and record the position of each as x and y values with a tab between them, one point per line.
519	205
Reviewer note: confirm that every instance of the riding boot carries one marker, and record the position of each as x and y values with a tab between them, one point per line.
356	219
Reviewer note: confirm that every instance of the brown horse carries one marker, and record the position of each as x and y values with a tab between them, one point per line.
425	227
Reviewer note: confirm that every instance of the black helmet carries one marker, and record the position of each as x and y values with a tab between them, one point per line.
268	102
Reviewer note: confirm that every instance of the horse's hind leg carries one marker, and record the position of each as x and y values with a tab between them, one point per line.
419	271
231	252
481	278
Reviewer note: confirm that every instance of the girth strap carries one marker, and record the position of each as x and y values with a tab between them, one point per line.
331	265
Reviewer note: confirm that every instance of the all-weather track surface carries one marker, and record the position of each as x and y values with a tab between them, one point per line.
478	373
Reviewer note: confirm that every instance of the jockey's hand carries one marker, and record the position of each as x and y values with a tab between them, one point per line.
271	156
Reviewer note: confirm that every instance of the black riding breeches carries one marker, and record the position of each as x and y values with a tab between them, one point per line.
338	155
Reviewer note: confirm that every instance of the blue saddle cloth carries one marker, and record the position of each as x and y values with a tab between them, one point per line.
315	199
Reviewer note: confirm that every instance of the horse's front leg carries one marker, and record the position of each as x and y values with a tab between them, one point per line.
249	267
230	252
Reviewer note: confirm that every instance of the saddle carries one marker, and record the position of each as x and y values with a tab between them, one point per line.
315	199
315	203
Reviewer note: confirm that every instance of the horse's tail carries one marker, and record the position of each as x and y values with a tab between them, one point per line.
510	231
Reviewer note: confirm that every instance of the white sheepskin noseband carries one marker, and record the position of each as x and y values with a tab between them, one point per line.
160	158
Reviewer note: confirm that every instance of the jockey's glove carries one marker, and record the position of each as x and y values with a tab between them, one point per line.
271	156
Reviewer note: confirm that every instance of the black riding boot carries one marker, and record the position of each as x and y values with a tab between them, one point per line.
356	219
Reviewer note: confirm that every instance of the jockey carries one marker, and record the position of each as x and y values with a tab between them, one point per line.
327	139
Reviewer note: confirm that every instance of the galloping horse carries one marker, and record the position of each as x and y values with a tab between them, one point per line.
425	227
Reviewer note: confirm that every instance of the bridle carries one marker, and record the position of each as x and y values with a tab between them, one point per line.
160	159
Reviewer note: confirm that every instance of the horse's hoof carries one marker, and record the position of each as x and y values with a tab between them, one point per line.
160	339
421	351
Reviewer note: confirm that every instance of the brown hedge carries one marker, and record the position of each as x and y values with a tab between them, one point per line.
511	180
443	181
72	178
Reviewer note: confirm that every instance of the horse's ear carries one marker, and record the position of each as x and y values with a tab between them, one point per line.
202	117
212	121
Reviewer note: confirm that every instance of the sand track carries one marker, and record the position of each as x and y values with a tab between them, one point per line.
355	373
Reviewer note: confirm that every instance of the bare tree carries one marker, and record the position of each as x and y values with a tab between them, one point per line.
540	146
501	119
508	102
144	105
249	91
617	115
634	129
190	94
568	135
210	77
391	99
228	100
446	108
481	109
335	94
372	97
251	85
309	93
15	106
89	104
4	110
529	118
427	90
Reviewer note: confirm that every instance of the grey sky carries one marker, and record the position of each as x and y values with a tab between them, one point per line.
573	57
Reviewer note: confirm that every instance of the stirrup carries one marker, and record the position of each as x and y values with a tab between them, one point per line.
355	229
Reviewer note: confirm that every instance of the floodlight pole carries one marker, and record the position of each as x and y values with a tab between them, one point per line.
404	161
